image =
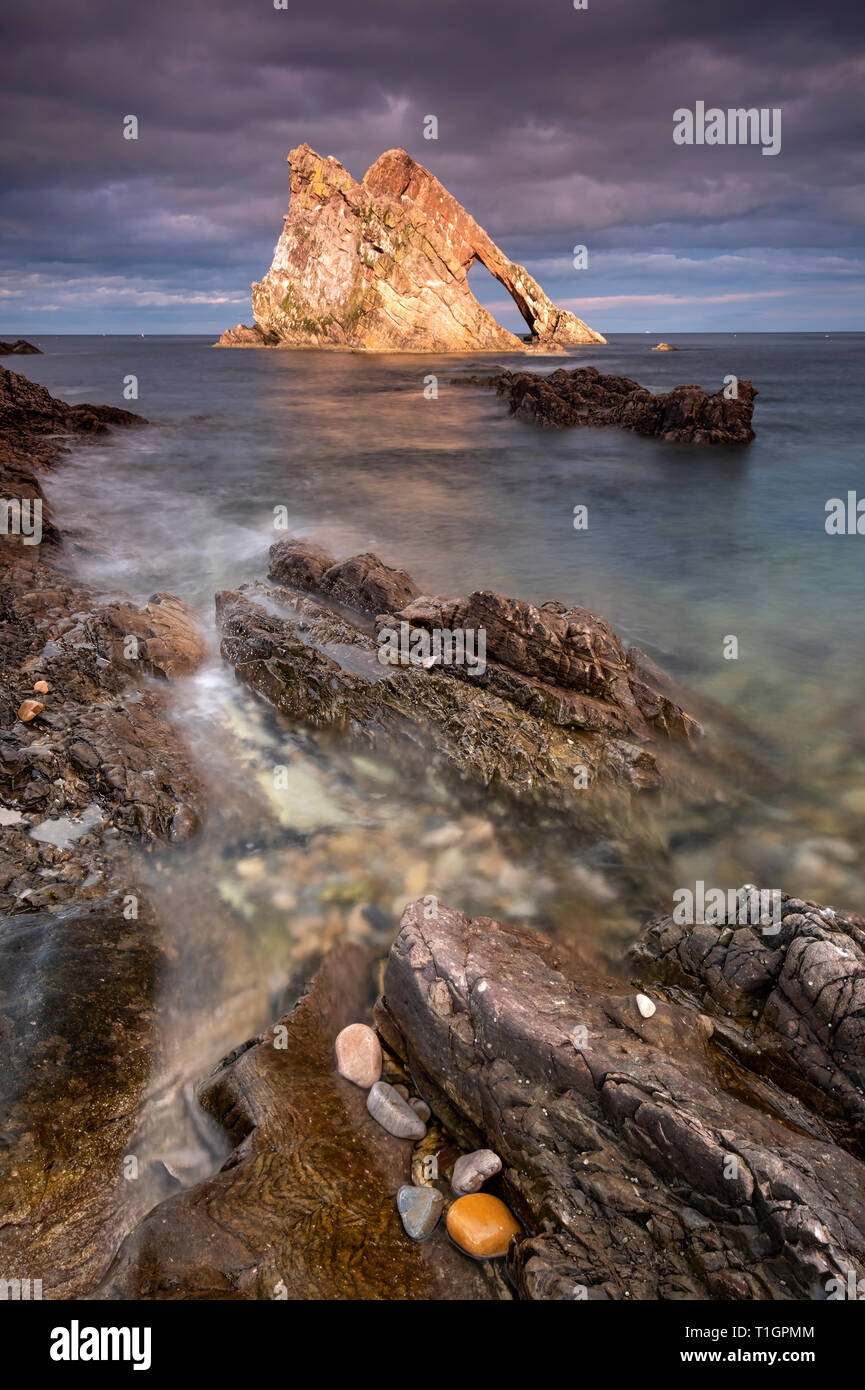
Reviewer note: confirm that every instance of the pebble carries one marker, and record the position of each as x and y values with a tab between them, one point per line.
358	1055
481	1225
28	709
420	1209
393	1113
420	1107
645	1005
472	1170
42	687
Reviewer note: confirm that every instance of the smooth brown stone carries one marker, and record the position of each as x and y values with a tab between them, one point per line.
42	687
358	1055
28	709
482	1225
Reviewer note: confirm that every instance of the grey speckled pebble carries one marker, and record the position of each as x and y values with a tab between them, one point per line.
472	1170
393	1113
420	1209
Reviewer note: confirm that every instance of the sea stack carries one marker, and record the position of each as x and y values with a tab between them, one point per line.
382	265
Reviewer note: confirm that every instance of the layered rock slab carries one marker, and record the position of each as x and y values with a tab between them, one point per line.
636	1171
382	265
558	688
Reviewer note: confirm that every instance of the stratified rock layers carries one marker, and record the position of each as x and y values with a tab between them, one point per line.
382	265
643	1163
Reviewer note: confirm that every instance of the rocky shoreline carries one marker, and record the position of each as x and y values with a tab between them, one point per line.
697	1134
97	774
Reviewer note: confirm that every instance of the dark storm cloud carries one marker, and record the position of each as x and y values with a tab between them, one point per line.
555	127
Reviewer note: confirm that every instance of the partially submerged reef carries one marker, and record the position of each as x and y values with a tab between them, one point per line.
382	266
584	397
487	1114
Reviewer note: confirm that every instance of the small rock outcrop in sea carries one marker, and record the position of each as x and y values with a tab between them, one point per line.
19	348
713	1149
382	265
664	347
685	415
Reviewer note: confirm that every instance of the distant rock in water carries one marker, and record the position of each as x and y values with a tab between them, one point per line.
685	415
20	346
382	265
664	347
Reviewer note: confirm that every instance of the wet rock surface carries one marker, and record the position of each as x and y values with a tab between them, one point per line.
89	772
558	691
639	1164
787	1001
583	397
305	1207
383	265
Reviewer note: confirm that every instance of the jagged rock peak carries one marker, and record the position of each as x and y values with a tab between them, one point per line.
382	265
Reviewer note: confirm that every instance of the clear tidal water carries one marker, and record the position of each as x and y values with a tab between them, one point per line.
685	547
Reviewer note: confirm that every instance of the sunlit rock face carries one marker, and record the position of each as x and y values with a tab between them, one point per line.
383	264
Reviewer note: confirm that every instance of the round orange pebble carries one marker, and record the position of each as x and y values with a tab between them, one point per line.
481	1225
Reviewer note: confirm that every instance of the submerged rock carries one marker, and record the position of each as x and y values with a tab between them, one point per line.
304	1208
659	1161
383	265
583	397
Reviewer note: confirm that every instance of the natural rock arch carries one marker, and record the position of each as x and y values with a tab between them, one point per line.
383	265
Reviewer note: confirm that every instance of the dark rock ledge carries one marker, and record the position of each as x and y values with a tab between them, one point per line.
685	415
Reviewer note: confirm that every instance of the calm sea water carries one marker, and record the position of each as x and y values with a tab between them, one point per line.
685	547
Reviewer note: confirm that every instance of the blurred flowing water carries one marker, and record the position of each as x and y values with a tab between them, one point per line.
685	546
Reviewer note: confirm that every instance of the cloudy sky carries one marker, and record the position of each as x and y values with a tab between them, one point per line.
555	128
